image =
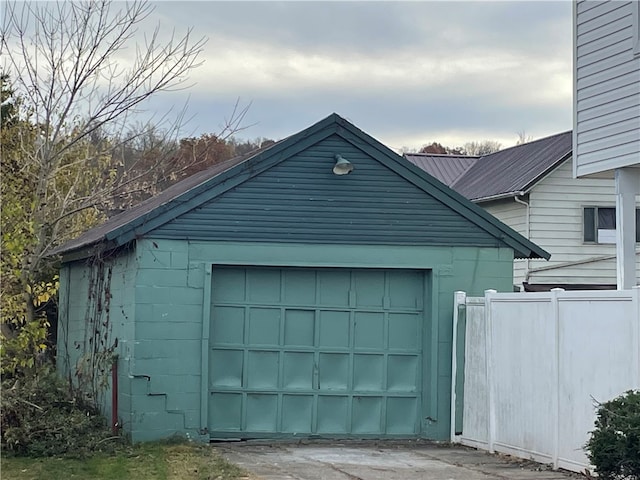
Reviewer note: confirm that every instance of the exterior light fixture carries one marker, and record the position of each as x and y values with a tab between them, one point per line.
342	166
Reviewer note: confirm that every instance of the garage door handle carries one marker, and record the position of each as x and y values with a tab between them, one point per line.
316	378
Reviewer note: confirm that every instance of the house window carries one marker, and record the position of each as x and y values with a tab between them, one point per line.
600	225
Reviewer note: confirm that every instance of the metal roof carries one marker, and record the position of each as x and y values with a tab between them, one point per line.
514	170
446	168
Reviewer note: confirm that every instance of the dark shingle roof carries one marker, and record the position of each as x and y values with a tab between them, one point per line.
514	170
170	194
446	168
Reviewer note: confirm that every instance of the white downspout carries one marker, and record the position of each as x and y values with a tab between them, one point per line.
527	230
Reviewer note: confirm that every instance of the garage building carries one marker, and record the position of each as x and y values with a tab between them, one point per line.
279	296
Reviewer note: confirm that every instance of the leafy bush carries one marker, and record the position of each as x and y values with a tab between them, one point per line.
40	416
614	445
19	352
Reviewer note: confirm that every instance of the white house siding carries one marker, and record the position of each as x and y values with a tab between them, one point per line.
555	224
557	203
606	86
513	214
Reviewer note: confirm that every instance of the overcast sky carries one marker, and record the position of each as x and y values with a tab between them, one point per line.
407	73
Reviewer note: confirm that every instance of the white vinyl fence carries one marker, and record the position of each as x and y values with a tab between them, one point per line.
534	366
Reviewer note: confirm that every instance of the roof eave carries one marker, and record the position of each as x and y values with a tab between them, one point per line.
86	250
538	253
551	168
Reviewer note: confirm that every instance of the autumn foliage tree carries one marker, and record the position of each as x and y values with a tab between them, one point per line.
469	148
184	157
438	149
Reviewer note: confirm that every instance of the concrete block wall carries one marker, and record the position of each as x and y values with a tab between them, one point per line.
75	282
165	373
475	269
122	316
73	295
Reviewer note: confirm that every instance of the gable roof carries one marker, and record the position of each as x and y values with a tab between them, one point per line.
446	168
513	171
208	184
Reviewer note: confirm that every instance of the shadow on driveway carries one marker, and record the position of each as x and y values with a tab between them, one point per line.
388	460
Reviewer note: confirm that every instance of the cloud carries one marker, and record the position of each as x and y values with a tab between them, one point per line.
458	71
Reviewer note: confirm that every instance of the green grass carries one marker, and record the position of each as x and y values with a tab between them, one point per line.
159	461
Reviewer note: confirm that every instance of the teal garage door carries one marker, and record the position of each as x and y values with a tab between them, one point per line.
333	352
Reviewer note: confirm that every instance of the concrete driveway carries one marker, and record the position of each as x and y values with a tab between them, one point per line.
389	460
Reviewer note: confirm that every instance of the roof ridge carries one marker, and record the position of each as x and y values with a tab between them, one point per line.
527	143
464	172
426	154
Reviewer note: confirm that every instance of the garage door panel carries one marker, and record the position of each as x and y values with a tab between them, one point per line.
299	287
228	286
297	413
334	287
404	331
225	413
402	413
369	330
333	413
298	370
334	329
315	351
402	373
263	286
264	326
261	413
369	289
367	415
299	328
226	368
405	290
368	373
227	326
262	369
334	371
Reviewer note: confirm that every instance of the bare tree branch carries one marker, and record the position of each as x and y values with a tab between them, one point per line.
83	70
